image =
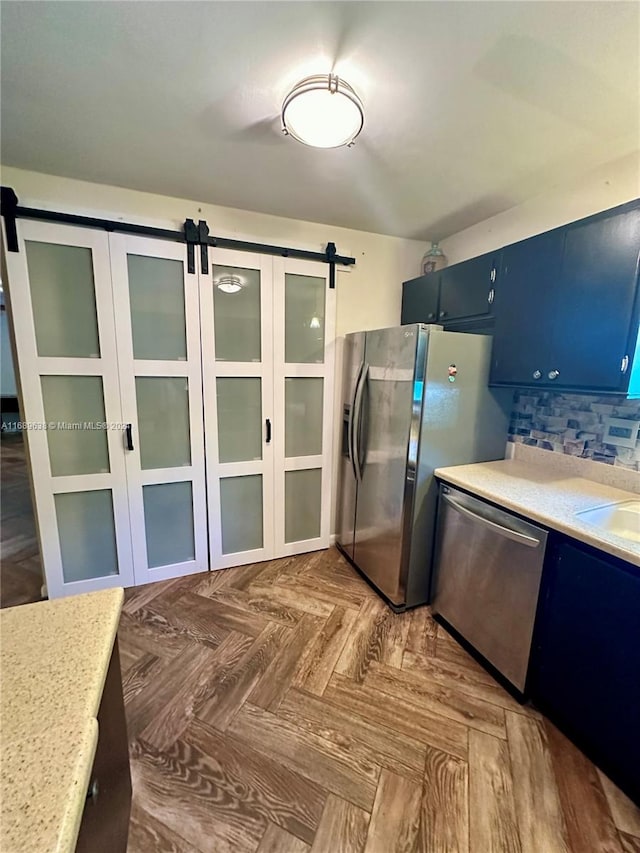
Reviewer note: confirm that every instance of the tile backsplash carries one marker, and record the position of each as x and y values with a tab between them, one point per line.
573	424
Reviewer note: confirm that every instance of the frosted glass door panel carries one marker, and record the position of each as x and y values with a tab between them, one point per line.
241	512
74	412
239	419
304	319
163	421
63	300
156	294
87	535
303	416
237	315
302	504
168	517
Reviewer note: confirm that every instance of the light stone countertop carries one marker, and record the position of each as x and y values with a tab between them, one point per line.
547	493
54	657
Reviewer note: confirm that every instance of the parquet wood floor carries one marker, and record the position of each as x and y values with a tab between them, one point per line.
281	707
20	567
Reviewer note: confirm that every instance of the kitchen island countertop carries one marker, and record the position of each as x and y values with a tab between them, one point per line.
54	657
547	494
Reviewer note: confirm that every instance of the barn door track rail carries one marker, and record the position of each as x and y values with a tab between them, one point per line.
194	235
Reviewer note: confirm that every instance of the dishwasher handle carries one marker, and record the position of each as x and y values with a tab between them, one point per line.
507	532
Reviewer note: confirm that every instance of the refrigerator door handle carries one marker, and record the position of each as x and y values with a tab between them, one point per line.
507	532
357	418
350	426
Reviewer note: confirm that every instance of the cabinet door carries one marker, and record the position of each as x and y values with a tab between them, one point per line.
303	375
420	299
105	819
236	299
62	311
158	332
524	305
586	662
467	289
595	301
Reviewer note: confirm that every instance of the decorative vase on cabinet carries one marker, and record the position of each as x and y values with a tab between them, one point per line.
434	260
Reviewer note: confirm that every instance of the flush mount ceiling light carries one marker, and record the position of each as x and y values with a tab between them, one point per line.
322	111
229	283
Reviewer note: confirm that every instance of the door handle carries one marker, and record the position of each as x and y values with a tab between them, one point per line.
507	532
352	412
356	421
128	433
267	424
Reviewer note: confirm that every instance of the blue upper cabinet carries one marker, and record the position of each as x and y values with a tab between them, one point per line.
523	337
467	289
420	299
600	271
567	306
459	297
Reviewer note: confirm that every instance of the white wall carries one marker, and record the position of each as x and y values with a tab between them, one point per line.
601	189
368	294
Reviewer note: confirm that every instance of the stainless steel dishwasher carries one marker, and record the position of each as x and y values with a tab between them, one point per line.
488	565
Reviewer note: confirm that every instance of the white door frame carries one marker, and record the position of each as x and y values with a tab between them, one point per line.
122	245
31	367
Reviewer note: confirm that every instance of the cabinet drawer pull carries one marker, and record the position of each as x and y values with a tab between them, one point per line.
624	364
443	313
491	296
553	374
94	790
431	316
537	374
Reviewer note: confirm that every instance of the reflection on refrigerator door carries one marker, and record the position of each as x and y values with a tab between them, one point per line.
403	417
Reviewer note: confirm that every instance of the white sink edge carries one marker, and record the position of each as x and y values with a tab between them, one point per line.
617	504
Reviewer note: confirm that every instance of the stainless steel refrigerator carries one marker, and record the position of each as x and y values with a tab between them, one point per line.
415	398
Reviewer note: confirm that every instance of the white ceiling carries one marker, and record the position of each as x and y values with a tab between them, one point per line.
471	107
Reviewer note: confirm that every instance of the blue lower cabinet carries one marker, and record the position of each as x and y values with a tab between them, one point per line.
585	666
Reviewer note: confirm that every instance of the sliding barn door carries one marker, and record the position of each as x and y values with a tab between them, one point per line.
60	297
131	367
304	349
158	334
237	359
